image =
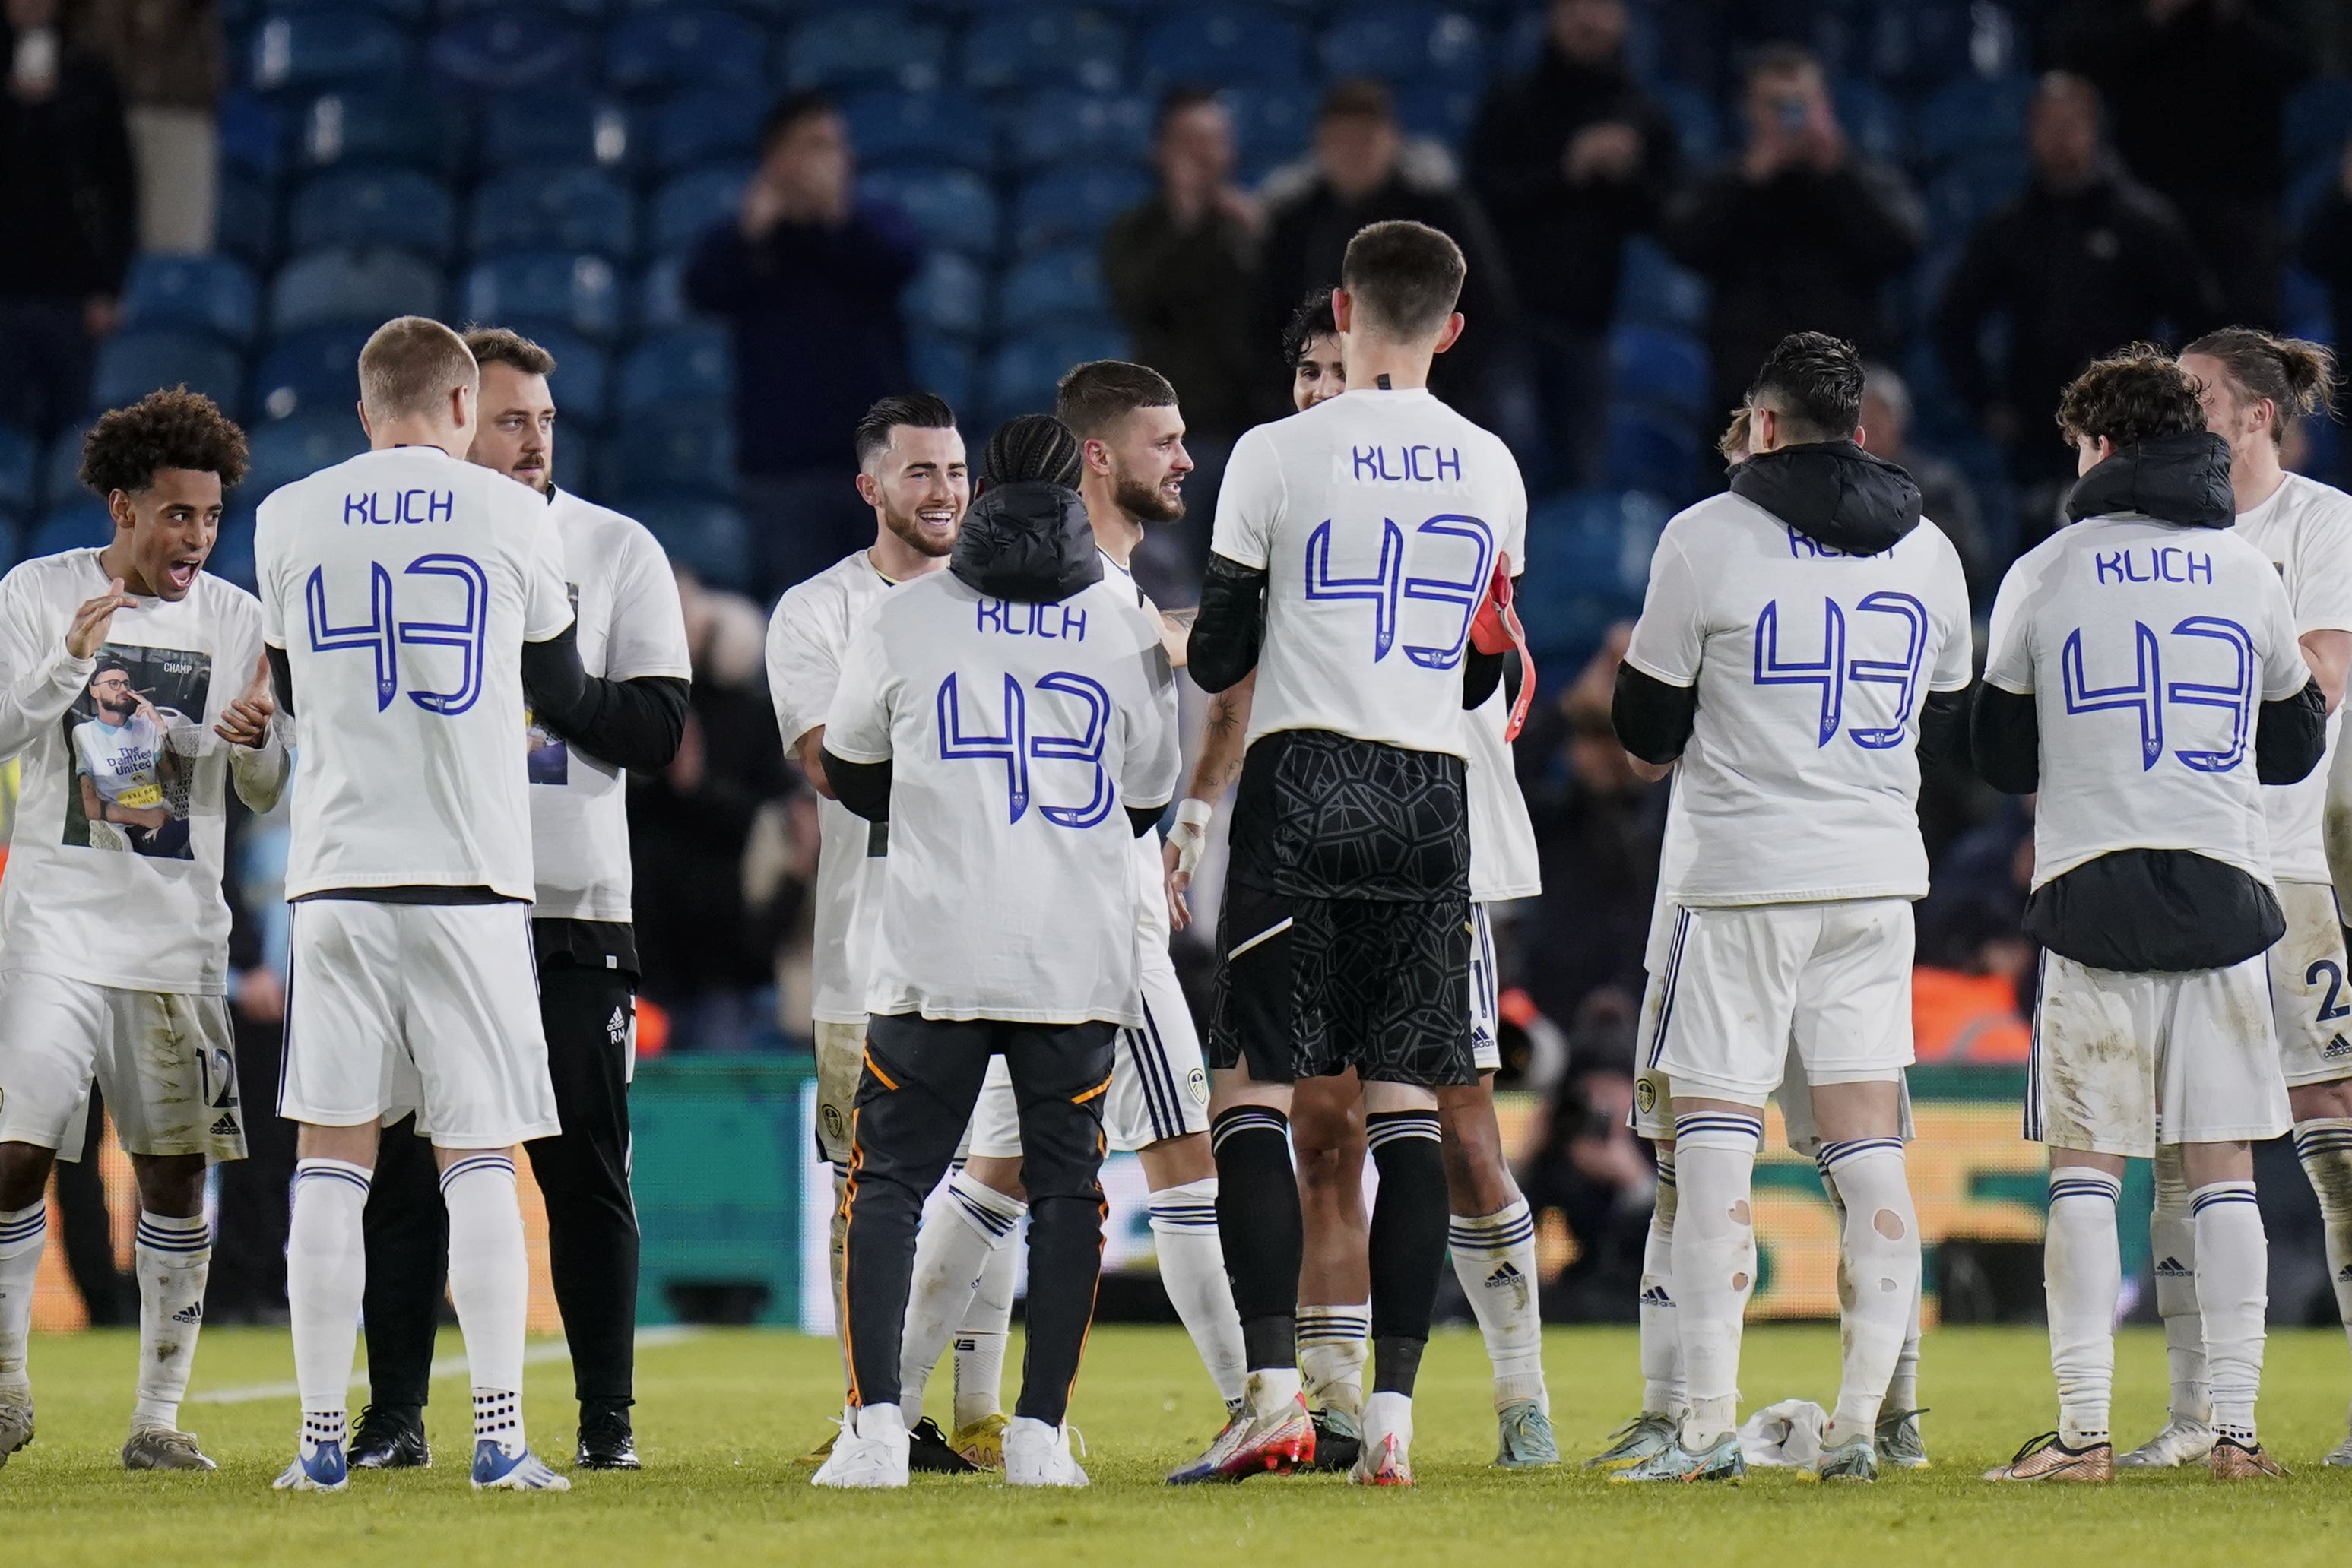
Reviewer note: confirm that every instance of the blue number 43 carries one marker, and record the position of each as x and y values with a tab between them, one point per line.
382	635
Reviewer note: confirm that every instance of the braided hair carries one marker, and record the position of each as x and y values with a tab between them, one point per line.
1035	446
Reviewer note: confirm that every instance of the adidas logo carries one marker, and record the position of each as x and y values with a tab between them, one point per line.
227	1126
1656	1296
2336	1048
617	1028
193	1312
2174	1268
1506	1276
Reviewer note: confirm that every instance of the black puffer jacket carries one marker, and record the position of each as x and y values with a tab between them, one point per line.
2181	479
1834	493
1029	542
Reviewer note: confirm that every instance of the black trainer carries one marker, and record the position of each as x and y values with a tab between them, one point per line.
390	1437
930	1453
1339	1438
606	1441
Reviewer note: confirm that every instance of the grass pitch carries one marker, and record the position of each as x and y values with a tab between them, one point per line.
721	1413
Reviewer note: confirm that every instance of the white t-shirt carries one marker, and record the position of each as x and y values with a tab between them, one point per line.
1377	517
808	637
1503	858
1801	776
402	585
1017	733
630	628
2305	528
110	904
2149	650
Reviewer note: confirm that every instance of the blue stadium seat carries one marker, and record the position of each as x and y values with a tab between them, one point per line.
866	46
373	128
661	294
293	449
61	469
578	290
11	540
1439	108
1226	44
943	126
949	295
582	380
1272	126
133	364
1053	288
953	207
503	52
577	209
252	133
690	206
1959	198
2318	122
1061	127
1596	541
672	453
689	365
1404	43
2305	189
1920	43
1650	452
1656	366
407	12
556	131
400	209
1697	125
20	469
697	128
943	365
1071	206
232	557
211	292
79	525
244	225
1973	115
576	10
311	371
324	49
352	286
1045	46
1657	292
708	538
1025	371
576	463
1872	122
657	50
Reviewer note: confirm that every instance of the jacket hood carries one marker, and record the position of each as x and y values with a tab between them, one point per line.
1028	541
2181	479
1834	493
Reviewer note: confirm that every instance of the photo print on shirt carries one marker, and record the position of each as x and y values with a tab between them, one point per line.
135	734
547	759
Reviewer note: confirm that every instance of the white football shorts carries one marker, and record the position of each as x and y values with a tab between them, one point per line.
840	1060
2311	1003
165	1063
2124	1063
431	1008
1485	994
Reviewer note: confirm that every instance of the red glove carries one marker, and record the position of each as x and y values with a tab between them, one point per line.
1496	629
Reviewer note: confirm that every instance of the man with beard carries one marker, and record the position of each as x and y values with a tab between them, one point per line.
911	470
124	766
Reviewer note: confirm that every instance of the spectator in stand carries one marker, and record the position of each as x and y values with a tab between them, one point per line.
1569	160
810	282
1946	496
166	57
67	187
2196	87
1798	234
2084	258
1358	180
1179	268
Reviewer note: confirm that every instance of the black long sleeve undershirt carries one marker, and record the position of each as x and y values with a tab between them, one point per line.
636	724
1230	627
1652	719
2291	736
863	787
2005	740
1943	726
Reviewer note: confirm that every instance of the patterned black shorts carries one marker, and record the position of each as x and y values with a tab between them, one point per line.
1309	986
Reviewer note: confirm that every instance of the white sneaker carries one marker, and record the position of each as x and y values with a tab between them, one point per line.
871	1451
2181	1442
1036	1455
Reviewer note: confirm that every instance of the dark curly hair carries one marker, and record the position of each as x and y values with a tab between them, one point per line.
1814	381
175	429
1311	320
2134	394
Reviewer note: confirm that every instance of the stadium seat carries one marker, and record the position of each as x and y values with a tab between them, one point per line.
866	46
582	380
1230	44
210	292
1974	114
1271	125
133	363
655	51
244	222
1050	46
1404	43
1063	126
20	469
397	208
1655	291
1660	367
690	205
697	128
949	295
672	453
411	129
708	538
943	126
576	463
1651	452
1920	43
252	132
504	53
1597	540
1053	288
80	524
661	294
943	365
576	10
2305	189
577	290
1873	123
324	49
1440	110
1025	371
61	469
293	449
1696	124
577	209
953	207
311	371
232	556
352	286
689	365
2318	122
1071	206
556	131
1959	198
408	12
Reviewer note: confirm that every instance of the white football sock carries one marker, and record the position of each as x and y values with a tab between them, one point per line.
2325	1146
1495	1258
1662	1343
980	1338
2173	1239
964	1225
22	1232
2082	1274
1388	1415
326	1275
2232	1295
1333	1343
1715	1262
173	1258
1902	1388
1880	1249
490	1285
1193	1268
